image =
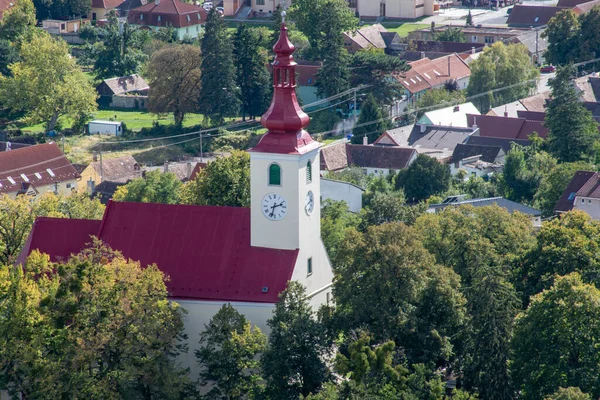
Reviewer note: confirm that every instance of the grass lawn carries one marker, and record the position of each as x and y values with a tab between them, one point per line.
403	29
332	139
134	120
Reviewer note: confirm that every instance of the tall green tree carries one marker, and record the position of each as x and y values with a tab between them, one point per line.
219	97
253	78
572	129
95	326
223	182
570	393
562	34
18	22
501	66
61	9
554	344
451	34
228	355
293	363
121	53
424	178
524	168
155	187
371	121
8	55
334	75
48	87
589	38
376	70
336	219
438	97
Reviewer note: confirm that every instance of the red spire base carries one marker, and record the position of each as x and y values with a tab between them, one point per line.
284	119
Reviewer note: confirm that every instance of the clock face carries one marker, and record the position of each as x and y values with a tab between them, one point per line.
309	202
274	207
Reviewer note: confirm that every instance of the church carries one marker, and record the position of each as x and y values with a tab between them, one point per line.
219	255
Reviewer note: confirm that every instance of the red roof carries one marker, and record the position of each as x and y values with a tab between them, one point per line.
204	250
591	188
579	180
106	4
40	165
526	16
167	13
426	73
506	127
4	4
586	7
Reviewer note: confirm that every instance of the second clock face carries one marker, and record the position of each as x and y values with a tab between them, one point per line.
309	203
274	206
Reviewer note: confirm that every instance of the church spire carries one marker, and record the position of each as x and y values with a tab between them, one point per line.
285	119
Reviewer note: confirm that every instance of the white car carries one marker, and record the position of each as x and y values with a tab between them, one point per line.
207	5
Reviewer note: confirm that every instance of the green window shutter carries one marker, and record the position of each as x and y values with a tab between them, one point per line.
274	174
308	172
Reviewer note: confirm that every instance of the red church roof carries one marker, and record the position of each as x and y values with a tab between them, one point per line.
204	250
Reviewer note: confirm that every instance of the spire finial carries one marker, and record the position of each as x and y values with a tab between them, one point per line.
283	14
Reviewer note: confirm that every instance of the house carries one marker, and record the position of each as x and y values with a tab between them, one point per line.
394	9
449	116
585	7
588	88
435	141
36	169
374	160
425	74
582	193
490	154
417	49
525	16
262	6
219	255
105	190
342	191
506	127
475	166
100	8
505	144
124	8
58	27
473	34
372	37
182	170
130	92
118	170
534	42
186	19
509	205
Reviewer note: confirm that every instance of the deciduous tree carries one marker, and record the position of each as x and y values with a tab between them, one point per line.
425	177
154	187
174	79
18	22
553	184
48	87
570	393
376	70
451	34
562	35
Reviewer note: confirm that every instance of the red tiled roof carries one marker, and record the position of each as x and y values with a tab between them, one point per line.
506	127
426	73
570	3
42	164
204	250
334	157
585	7
579	180
523	15
171	12
591	188
387	157
106	4
532	115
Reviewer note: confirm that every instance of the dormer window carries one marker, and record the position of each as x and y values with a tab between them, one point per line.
198	15
188	18
308	172
274	175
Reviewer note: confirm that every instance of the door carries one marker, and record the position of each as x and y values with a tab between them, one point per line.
382	9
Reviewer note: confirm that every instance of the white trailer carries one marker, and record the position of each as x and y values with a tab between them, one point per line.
105	128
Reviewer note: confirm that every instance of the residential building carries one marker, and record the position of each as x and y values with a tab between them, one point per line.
449	116
394	9
58	27
475	166
582	193
342	191
219	255
473	34
266	6
35	170
535	43
504	143
129	92
372	37
425	74
417	49
374	160
118	170
586	7
186	19
124	8
490	154
182	170
506	127
100	8
526	16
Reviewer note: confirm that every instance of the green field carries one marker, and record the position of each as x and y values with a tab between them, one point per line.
134	120
403	29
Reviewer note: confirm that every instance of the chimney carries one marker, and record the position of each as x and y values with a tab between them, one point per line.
166	168
422	54
157	2
188	170
423	128
505	111
95	157
475	124
365	140
472	50
8	146
456	108
449	66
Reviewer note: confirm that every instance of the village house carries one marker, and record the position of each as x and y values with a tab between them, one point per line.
473	34
507	127
186	19
100	8
35	170
449	116
59	27
219	255
129	92
372	37
582	193
120	170
416	49
394	9
124	8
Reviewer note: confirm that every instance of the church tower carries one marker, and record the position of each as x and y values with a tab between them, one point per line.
285	181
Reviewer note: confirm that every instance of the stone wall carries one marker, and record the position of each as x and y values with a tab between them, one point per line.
129	102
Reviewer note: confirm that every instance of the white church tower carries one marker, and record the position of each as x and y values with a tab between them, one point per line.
285	181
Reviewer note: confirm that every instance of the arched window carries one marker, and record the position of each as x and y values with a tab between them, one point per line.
308	172
275	175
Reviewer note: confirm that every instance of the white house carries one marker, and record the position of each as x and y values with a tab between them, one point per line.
449	116
394	9
219	255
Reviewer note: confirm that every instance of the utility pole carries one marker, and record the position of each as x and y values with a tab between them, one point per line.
537	56
101	171
354	111
201	150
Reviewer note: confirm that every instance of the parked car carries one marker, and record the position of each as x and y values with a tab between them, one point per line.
207	5
546	69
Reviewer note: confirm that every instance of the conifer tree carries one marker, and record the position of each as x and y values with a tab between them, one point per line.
253	78
469	19
371	114
219	96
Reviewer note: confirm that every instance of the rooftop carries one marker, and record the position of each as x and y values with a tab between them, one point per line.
488	153
506	127
425	73
509	205
579	180
167	13
449	116
126	84
426	139
527	15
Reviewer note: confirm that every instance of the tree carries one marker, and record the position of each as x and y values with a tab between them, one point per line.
253	78
438	98
371	122
320	21
469	21
219	97
121	54
8	55
452	34
501	66
404	295
18	22
554	183
174	78
390	207
48	87
562	35
589	40
60	9
228	355
154	187
570	393
572	129
376	70
223	182
17	216
293	363
336	219
554	343
425	177
277	19
95	326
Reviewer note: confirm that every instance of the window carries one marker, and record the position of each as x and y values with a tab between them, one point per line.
308	172
69	185
489	39
50	172
309	267
141	17
474	39
260	2
25	178
536	19
94	16
589	201
198	15
188	18
11	180
159	18
274	175
37	175
187	30
582	200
